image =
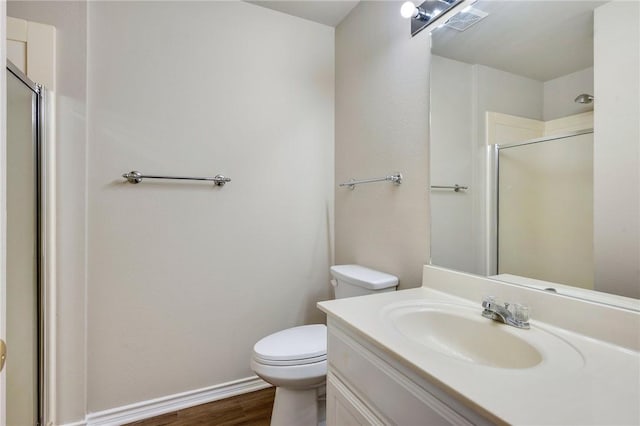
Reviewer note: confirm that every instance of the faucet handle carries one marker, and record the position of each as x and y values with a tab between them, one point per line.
519	312
487	301
491	301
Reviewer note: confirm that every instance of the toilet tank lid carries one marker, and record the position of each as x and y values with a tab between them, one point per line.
364	277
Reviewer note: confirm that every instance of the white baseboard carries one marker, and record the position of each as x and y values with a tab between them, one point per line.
167	404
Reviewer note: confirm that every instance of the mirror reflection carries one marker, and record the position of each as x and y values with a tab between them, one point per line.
526	119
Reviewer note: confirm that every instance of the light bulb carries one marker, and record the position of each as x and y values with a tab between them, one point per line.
408	10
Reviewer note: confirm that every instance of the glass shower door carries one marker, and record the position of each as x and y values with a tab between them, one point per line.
22	333
545	210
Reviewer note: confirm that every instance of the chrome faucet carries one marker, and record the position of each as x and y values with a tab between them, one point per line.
511	314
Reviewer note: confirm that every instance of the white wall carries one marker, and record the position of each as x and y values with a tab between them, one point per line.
559	94
382	127
69	18
500	91
183	277
453	243
617	148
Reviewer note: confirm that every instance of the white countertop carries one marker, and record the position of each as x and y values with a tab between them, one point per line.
601	388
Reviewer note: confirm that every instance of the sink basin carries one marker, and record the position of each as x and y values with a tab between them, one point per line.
461	332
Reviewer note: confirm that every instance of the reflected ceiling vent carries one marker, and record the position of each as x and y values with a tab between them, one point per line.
466	18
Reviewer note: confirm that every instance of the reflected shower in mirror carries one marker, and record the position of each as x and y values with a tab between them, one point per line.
520	118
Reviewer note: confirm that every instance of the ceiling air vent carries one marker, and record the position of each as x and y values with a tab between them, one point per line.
466	18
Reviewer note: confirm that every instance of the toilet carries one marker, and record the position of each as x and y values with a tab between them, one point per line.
295	360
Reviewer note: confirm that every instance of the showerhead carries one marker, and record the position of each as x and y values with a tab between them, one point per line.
583	99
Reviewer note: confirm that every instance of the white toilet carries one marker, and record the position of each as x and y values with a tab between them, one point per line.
295	360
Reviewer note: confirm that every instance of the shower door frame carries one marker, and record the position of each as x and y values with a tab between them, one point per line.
493	215
38	121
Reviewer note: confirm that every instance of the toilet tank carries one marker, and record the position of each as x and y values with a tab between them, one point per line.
356	280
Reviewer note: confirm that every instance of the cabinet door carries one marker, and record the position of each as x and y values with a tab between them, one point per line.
386	393
344	408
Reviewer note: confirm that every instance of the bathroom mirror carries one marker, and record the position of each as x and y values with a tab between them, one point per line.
512	149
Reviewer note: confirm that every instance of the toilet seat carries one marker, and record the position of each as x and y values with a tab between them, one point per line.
302	345
285	363
295	358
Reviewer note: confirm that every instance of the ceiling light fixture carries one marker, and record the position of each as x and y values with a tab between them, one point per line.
430	11
410	10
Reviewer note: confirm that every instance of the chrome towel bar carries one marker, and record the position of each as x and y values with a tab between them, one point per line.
137	177
395	178
456	187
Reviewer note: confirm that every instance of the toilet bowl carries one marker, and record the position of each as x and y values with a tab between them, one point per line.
295	360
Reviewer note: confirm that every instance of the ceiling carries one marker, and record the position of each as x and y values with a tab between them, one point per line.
327	12
541	40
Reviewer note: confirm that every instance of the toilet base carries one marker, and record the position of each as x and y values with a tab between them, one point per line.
297	408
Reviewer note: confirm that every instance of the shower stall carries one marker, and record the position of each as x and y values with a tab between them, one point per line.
24	271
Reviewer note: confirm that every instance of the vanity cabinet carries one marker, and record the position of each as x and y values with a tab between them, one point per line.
366	386
344	408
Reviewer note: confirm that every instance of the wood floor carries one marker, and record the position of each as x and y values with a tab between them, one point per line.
249	409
